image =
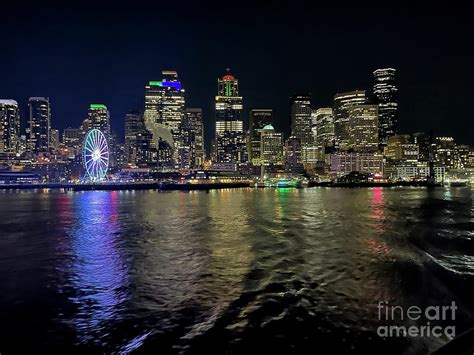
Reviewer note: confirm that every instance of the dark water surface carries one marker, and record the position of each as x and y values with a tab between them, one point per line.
230	271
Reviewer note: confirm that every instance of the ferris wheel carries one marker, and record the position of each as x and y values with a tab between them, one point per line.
96	155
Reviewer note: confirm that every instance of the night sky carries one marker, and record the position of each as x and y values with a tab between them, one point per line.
88	52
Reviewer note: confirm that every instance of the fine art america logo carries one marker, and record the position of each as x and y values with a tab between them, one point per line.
431	321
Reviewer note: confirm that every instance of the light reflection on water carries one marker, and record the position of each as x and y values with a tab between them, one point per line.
98	271
180	271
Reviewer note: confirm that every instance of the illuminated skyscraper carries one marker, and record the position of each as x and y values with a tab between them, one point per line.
271	146
54	138
230	137
164	114
342	103
9	127
323	127
259	118
386	94
301	119
98	117
293	155
194	117
39	125
445	152
134	126
363	128
164	101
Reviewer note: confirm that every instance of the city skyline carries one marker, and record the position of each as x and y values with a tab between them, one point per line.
118	125
431	93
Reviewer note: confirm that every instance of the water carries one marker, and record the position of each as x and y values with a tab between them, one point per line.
230	271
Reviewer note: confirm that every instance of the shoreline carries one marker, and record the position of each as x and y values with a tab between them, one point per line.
206	187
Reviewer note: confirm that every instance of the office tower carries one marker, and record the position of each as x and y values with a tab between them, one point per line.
164	114
72	137
134	126
422	140
258	119
9	127
54	138
363	128
230	137
386	95
323	125
194	117
39	125
98	117
138	148
301	119
461	152
444	152
164	101
271	146
401	148
342	103
292	153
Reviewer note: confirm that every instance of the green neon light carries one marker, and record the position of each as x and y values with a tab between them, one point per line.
227	89
155	83
98	106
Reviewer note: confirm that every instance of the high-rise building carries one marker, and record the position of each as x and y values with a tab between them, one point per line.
39	125
301	124
271	146
258	119
386	95
323	125
138	141
194	117
134	127
98	117
342	103
54	138
164	115
363	128
293	155
461	156
9	127
445	152
72	137
401	148
230	137
422	140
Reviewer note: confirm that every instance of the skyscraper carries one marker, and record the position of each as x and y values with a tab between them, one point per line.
164	101
259	118
98	117
164	114
54	138
134	126
230	138
386	94
9	127
292	152
39	125
363	128
301	119
194	117
342	103
271	146
324	127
